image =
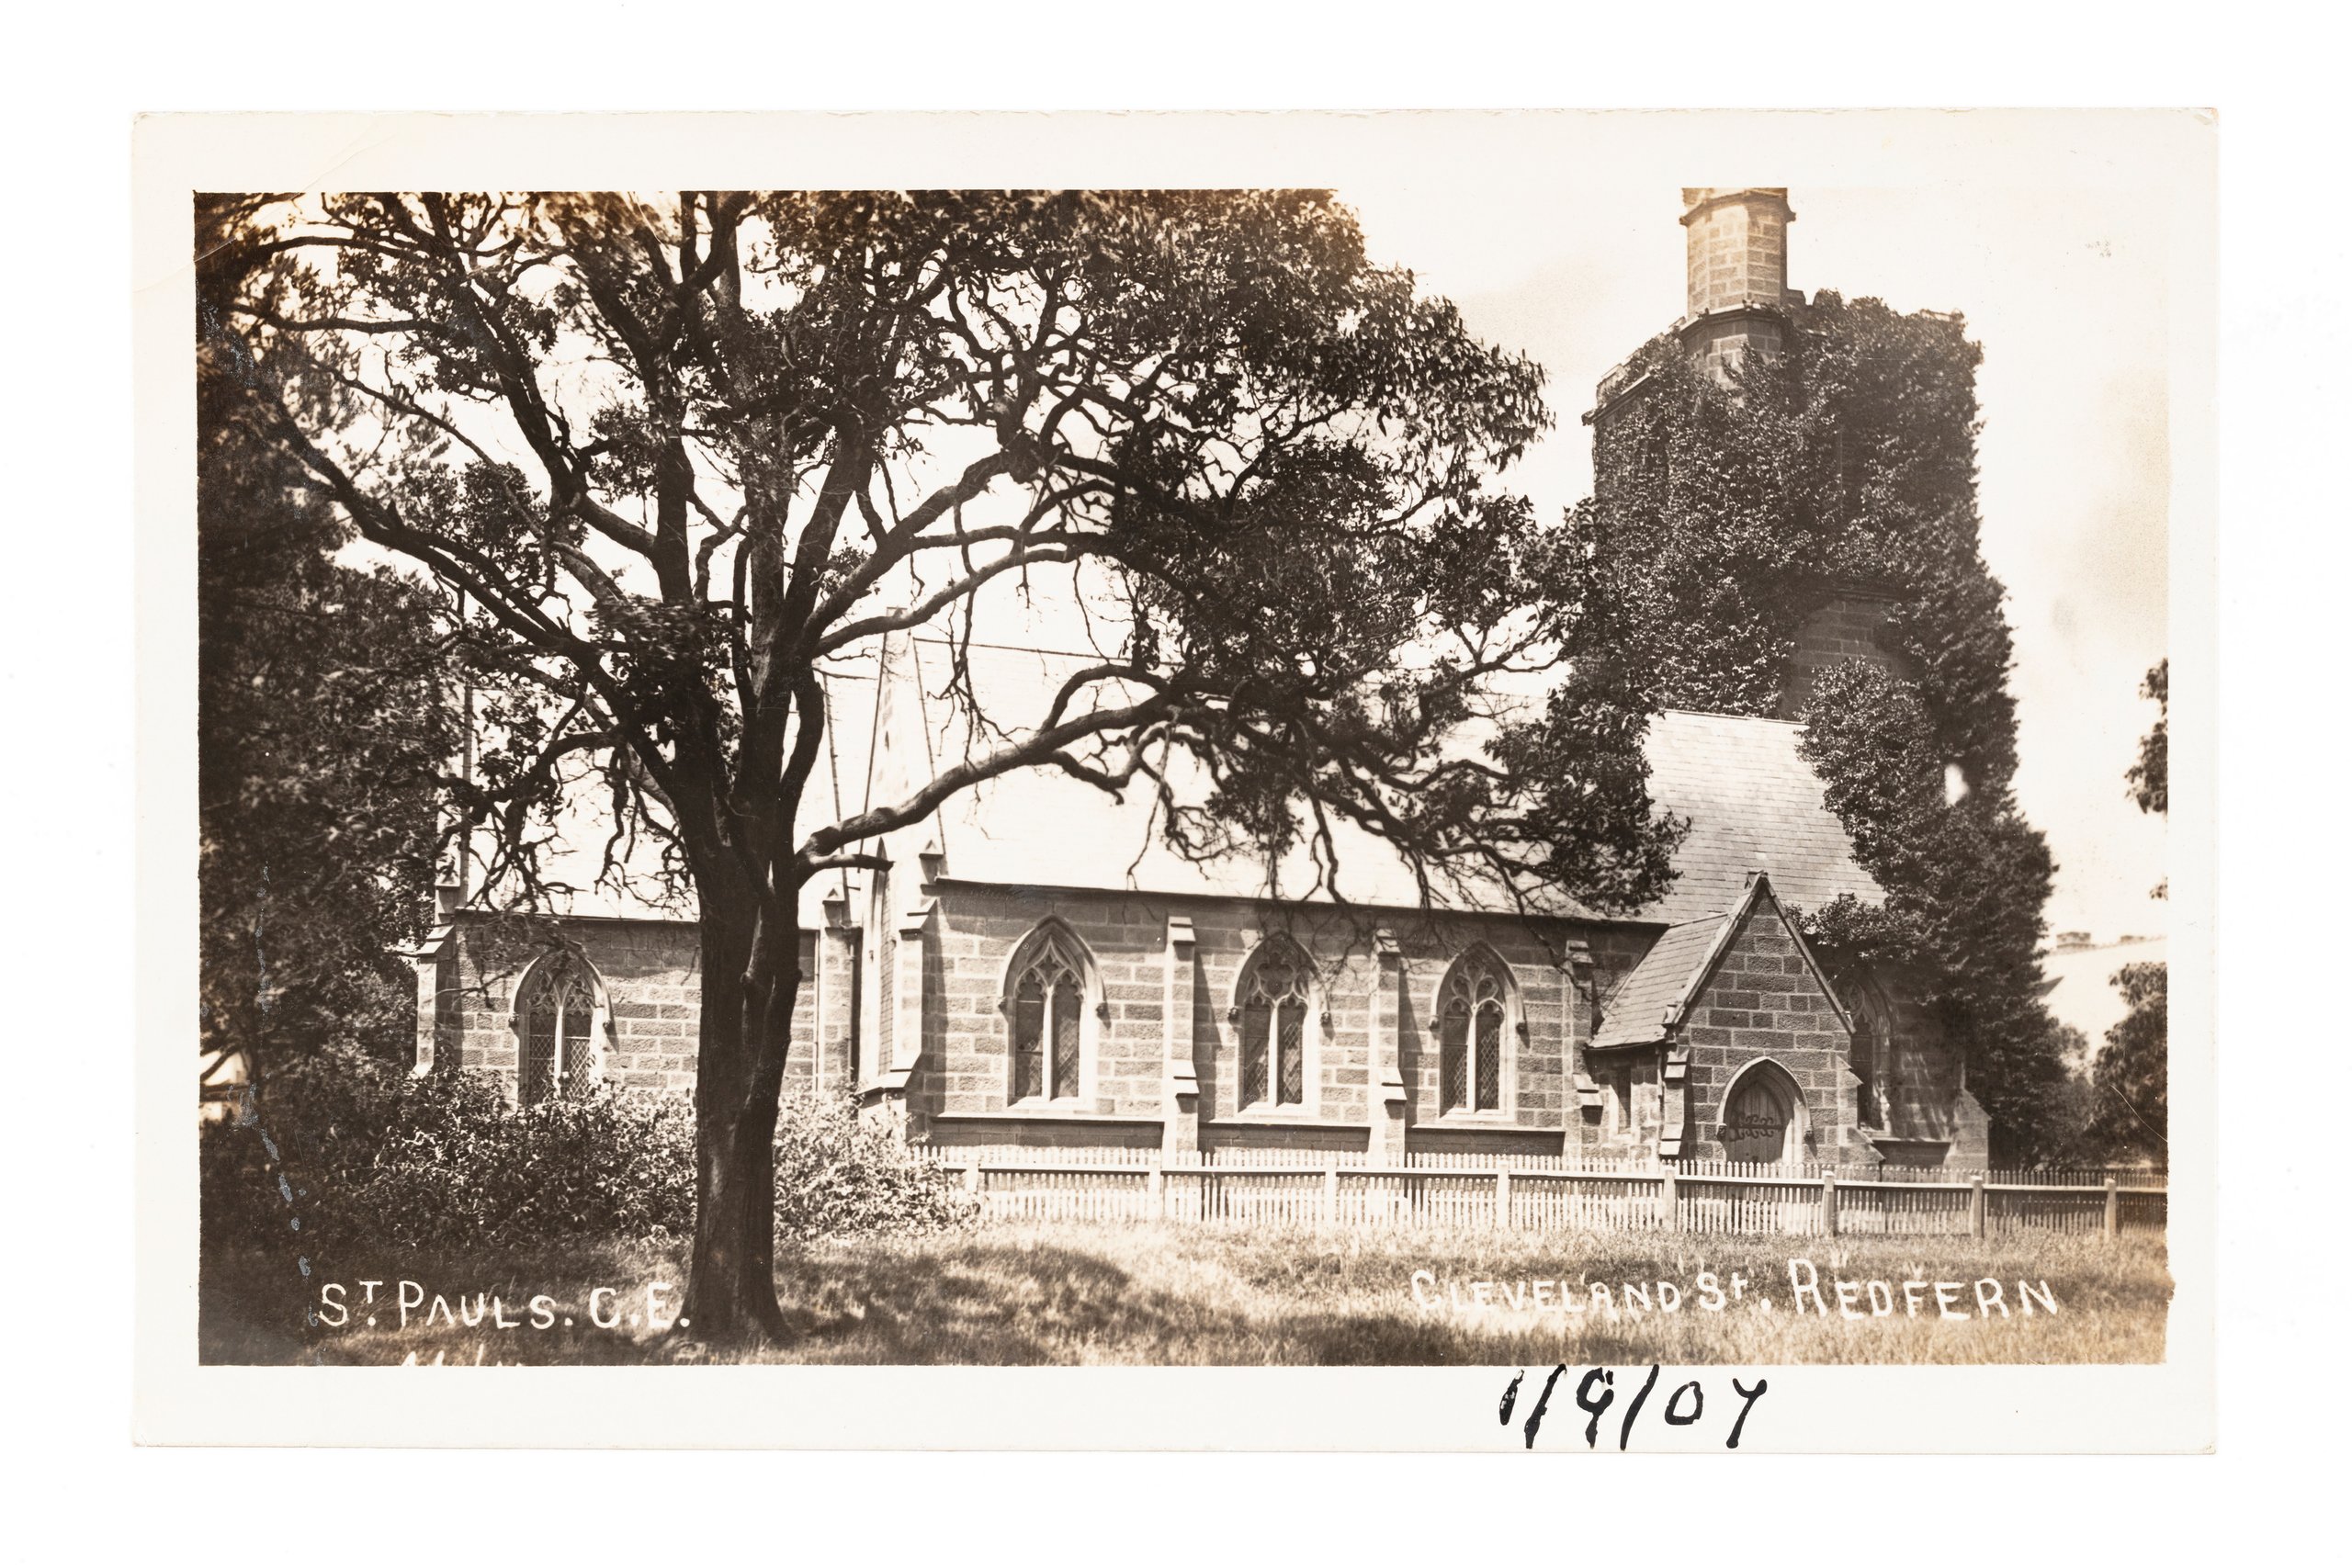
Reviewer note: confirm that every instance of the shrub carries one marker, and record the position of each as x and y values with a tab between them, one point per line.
837	1175
364	1156
604	1164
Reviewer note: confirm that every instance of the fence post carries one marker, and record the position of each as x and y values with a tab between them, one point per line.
1502	1198
1976	1205
1829	1202
1156	1198
1672	1217
2114	1209
1332	1192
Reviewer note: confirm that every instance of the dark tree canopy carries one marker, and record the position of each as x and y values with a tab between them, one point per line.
2131	1099
615	424
1965	882
1719	512
2146	777
322	735
1718	515
681	454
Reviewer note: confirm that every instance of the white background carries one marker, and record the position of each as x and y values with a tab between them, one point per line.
69	694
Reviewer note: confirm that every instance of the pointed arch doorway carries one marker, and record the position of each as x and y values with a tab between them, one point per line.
1764	1116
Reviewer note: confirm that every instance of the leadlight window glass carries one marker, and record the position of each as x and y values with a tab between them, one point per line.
557	1014
1049	1003
1472	1009
1274	999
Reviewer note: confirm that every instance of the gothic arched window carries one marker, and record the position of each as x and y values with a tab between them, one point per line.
555	1016
1473	1025
1047	1003
1274	1005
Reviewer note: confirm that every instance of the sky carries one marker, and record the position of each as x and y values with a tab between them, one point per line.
2064	287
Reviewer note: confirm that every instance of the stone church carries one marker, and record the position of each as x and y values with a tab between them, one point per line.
1036	969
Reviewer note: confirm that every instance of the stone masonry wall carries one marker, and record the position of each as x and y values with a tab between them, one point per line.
963	1087
1735	248
1763	1000
1721	344
967	1064
1927	1096
1615	952
650	994
1539	1054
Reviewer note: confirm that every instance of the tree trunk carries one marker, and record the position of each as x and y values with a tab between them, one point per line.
746	1022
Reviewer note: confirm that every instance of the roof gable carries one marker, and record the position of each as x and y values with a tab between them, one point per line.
1653	1002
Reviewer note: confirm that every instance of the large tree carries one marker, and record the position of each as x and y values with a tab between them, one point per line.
1721	509
321	732
680	455
2131	1081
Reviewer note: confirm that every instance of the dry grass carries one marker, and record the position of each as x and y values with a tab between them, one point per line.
1213	1296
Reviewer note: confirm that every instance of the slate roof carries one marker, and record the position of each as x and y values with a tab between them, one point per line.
1666	978
1753	804
1042	827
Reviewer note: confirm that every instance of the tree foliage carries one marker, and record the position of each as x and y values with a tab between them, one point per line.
2131	1096
381	1159
682	457
1965	881
2131	1081
2146	777
1719	513
321	731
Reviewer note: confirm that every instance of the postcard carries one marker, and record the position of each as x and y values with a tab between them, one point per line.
1336	781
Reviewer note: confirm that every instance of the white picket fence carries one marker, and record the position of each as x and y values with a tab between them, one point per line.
1551	1192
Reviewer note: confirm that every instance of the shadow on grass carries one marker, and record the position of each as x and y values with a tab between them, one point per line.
953	1302
1043	1295
973	1304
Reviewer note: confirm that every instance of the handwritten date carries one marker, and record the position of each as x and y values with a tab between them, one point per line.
1597	1389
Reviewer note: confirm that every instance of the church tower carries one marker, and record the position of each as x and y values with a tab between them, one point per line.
1737	266
1735	292
1737	300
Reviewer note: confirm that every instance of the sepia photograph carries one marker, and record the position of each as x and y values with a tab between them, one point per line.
1502	763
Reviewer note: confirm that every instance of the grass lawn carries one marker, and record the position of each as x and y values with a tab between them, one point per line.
1212	1296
